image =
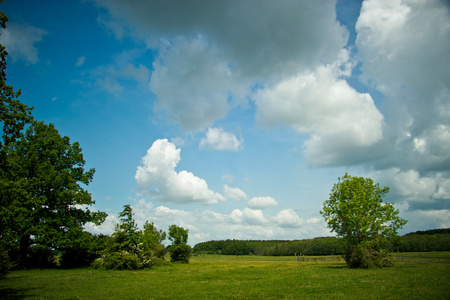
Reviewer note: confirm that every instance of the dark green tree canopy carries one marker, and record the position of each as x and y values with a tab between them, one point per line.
178	235
179	250
42	189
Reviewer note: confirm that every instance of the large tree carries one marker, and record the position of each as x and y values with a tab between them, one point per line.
356	211
44	201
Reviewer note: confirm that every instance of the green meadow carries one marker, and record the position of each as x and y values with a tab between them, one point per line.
415	276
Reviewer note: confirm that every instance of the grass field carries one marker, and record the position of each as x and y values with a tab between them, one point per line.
415	276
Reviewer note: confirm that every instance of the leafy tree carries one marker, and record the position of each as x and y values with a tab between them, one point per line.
127	235
178	235
152	239
179	250
43	197
356	212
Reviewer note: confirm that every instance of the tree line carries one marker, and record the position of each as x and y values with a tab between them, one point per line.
421	241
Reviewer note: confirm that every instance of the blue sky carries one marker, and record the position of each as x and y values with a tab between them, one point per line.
234	119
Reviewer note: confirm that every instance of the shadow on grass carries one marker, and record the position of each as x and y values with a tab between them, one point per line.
8	293
12	293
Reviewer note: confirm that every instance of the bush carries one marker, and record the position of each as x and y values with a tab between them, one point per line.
118	261
181	252
367	256
160	251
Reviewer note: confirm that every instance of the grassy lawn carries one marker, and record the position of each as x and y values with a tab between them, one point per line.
425	276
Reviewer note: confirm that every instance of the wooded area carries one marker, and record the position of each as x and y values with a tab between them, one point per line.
420	241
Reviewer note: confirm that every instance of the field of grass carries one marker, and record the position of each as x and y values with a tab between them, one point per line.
416	276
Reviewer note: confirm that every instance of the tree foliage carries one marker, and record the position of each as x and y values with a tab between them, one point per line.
355	211
132	248
179	250
42	189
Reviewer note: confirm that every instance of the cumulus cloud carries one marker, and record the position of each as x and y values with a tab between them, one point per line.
319	103
212	55
236	194
403	49
248	216
262	202
419	192
20	41
157	177
194	86
288	218
218	139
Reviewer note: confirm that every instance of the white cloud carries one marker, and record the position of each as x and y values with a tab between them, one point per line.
106	227
339	119
403	48
157	177
262	202
248	216
288	218
218	139
416	190
419	219
20	40
234	193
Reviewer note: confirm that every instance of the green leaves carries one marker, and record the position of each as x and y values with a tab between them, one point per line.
178	235
179	250
355	210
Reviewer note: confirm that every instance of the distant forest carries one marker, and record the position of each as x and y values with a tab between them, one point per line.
419	241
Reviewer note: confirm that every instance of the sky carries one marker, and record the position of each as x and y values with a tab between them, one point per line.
234	119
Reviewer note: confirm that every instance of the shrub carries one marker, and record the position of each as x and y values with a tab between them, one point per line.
368	255
181	252
118	261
